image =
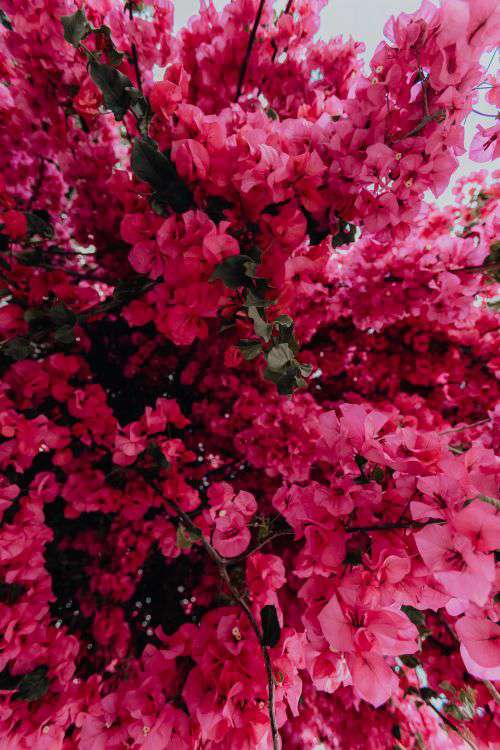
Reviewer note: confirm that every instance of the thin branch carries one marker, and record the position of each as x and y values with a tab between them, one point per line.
492	691
483	114
395	525
135	57
269	539
221	564
483	267
451	725
421	125
466	426
38	183
248	52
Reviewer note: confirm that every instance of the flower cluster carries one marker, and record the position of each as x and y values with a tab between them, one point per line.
249	420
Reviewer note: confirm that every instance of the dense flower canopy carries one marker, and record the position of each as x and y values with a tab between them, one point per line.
249	396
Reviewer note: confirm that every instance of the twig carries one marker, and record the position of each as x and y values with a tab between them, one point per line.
269	539
492	691
421	125
451	725
466	426
483	267
38	183
395	525
221	564
484	114
248	52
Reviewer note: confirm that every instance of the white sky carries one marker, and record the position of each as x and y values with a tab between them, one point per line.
364	20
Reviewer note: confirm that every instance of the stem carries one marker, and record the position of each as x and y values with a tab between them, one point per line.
421	125
492	691
483	114
484	267
135	57
221	564
395	525
38	183
275	47
269	539
466	426
248	52
451	725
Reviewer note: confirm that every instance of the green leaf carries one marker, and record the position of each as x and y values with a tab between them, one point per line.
490	500
410	661
415	616
305	369
279	356
427	693
271	631
5	21
234	271
62	315
76	27
287	380
254	300
151	166
261	328
18	348
65	335
186	538
157	455
250	349
114	87
39	224
33	685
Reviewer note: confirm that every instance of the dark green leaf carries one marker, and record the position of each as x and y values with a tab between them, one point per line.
415	616
254	300
157	455
279	356
410	661
33	685
250	349
75	27
428	693
261	328
234	271
151	166
39	224
185	537
65	335
271	630
5	21
17	349
62	315
114	87
305	369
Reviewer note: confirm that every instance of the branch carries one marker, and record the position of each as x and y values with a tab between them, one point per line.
395	525
269	539
421	125
466	426
248	52
38	183
221	564
492	691
135	57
